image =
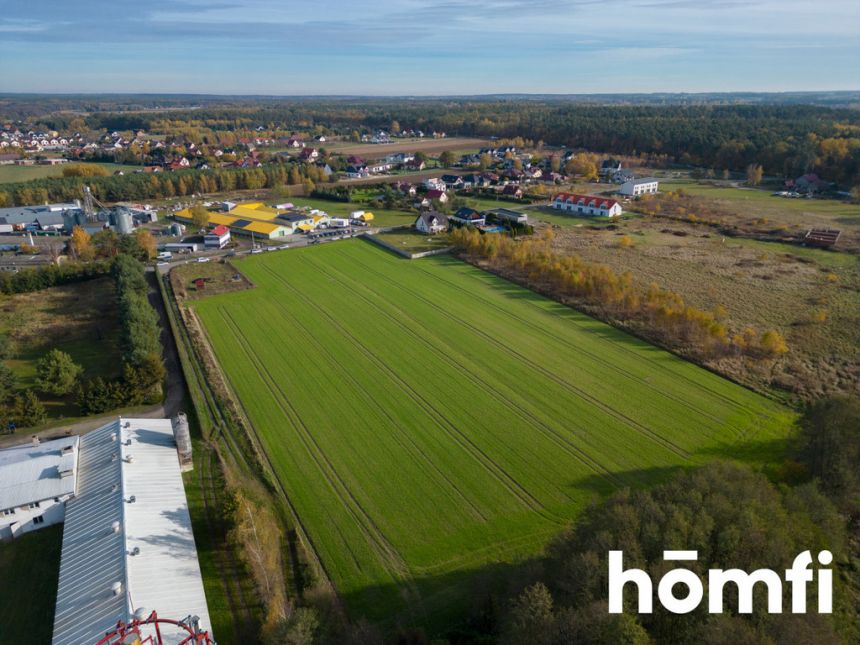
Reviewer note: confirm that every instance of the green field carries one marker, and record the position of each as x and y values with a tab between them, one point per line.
433	423
12	174
30	571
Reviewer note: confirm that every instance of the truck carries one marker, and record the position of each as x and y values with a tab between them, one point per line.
164	256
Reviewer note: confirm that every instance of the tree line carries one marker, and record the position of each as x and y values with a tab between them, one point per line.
142	186
143	368
663	315
785	139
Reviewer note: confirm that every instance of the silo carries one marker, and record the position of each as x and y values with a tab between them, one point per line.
124	222
182	434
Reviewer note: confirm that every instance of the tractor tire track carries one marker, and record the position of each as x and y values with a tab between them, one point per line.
409	445
618	415
516	489
553	435
389	555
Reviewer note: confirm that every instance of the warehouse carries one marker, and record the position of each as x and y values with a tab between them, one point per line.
35	481
127	539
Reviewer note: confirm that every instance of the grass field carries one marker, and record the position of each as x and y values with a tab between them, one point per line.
29	571
433	423
11	174
79	319
414	242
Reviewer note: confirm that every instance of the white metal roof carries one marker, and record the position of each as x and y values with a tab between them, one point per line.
164	576
32	473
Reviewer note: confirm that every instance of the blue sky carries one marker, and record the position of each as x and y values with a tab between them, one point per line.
391	47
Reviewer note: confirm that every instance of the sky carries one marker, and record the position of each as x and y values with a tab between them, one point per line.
428	47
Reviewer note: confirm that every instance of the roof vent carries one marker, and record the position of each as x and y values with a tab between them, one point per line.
132	499
141	613
114	527
128	442
114	488
113	457
36	440
116	588
113	436
135	551
127	424
129	459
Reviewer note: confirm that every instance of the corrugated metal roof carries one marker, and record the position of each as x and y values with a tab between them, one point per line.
164	575
262	227
32	473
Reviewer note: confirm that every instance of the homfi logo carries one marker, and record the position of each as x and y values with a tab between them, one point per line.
798	576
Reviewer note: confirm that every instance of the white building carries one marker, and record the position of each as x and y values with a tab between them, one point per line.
587	205
127	542
36	480
217	238
435	183
636	187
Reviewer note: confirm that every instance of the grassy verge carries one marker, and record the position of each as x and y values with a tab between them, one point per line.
29	574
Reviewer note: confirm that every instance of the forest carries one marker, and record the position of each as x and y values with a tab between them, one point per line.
786	139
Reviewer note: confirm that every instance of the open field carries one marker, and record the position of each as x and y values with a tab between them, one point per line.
378	150
432	422
219	277
29	571
413	241
79	319
793	214
760	284
11	174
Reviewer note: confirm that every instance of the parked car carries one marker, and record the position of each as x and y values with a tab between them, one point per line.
203	259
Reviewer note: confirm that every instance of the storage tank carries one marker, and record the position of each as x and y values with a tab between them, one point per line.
124	222
182	434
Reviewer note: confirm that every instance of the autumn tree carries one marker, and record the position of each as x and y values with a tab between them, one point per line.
81	245
754	174
146	242
199	216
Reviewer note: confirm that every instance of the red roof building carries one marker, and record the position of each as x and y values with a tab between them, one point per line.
587	204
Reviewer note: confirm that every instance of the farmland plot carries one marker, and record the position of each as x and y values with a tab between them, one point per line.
432	422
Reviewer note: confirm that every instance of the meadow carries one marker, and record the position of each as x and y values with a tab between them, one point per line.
11	174
433	423
79	319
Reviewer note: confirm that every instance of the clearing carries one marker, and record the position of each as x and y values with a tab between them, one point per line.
79	319
378	150
11	173
433	423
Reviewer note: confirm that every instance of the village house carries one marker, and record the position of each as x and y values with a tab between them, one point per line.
467	216
587	205
609	167
437	195
512	191
431	222
435	183
309	154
